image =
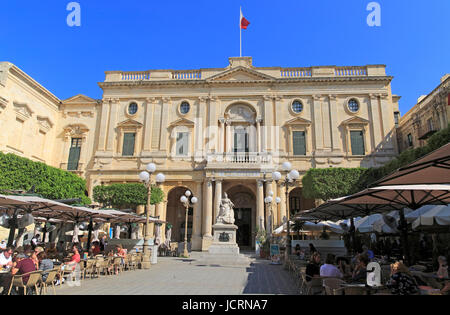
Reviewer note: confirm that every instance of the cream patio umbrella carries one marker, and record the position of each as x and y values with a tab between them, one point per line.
436	217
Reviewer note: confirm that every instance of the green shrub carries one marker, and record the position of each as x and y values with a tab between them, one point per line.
18	173
126	195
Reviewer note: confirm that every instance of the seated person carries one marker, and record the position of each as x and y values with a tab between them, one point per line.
360	272
446	289
51	251
44	264
344	267
312	249
402	282
95	249
443	267
74	264
329	269
313	268
23	266
6	258
368	252
120	252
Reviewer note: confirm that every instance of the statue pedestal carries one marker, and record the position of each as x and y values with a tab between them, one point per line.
224	240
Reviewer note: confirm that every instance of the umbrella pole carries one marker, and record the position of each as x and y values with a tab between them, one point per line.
130	232
12	229
90	228
404	231
352	236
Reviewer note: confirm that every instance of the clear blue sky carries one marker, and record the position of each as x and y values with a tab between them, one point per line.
413	40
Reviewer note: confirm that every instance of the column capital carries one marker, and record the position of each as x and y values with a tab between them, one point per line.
166	99
115	100
203	98
259	120
222	120
267	97
317	97
332	97
151	100
373	96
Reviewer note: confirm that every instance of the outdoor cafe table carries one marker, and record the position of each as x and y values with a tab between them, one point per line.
368	289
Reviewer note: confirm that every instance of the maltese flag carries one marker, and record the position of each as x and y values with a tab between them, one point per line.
243	22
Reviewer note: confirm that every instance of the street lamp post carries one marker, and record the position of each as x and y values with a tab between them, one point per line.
146	178
187	199
291	177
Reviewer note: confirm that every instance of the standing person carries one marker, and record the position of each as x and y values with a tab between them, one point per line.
329	269
402	282
74	266
103	243
35	241
368	252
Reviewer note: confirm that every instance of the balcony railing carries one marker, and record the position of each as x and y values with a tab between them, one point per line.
135	76
295	72
187	75
350	71
240	159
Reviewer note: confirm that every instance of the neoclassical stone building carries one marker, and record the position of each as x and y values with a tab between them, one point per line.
428	116
210	131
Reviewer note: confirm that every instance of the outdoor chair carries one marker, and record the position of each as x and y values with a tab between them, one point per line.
89	269
355	291
333	286
51	278
173	249
33	281
133	261
313	287
117	263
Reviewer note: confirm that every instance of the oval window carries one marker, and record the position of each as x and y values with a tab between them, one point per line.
353	105
297	107
132	108
185	108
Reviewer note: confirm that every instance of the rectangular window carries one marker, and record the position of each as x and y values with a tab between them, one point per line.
357	141
182	144
299	142
241	141
410	140
129	140
430	125
74	155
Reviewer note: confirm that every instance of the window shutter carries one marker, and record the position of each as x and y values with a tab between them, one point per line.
129	140
357	141
182	143
299	142
74	158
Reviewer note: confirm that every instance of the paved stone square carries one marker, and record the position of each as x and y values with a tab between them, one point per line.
178	276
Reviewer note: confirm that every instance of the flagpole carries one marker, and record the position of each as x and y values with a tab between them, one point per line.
240	32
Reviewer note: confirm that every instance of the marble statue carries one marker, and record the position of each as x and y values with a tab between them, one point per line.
226	213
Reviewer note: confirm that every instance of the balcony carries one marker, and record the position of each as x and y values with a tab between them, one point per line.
424	135
239	160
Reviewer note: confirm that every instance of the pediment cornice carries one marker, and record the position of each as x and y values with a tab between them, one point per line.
298	121
182	122
355	121
130	123
240	74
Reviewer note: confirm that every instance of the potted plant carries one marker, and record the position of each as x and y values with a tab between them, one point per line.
261	239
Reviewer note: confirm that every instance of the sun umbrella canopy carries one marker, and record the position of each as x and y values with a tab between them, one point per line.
434	168
375	223
435	216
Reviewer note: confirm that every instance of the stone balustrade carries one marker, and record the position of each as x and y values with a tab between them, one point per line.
350	71
239	159
295	72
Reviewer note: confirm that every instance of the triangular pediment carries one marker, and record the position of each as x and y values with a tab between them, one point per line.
298	121
182	122
79	99
355	121
240	74
130	123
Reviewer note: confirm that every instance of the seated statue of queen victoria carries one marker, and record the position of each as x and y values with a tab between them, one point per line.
226	213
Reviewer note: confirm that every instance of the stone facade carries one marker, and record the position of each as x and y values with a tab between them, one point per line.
429	115
208	130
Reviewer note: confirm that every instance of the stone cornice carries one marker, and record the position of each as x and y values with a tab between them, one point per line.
250	82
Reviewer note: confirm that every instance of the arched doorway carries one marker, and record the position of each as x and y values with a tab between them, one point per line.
245	206
176	215
297	203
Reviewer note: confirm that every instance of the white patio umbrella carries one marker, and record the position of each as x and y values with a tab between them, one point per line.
312	227
374	223
157	234
117	232
437	216
76	231
414	215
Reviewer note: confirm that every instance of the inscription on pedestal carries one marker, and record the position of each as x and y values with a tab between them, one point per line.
224	237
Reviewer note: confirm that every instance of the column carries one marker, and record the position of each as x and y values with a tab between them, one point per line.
258	135
158	214
318	123
260	204
214	137
197	219
335	145
377	133
166	103
112	125
267	207
221	136
147	141
283	212
268	123
229	141
207	213
326	125
217	199
199	128
387	120
103	125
